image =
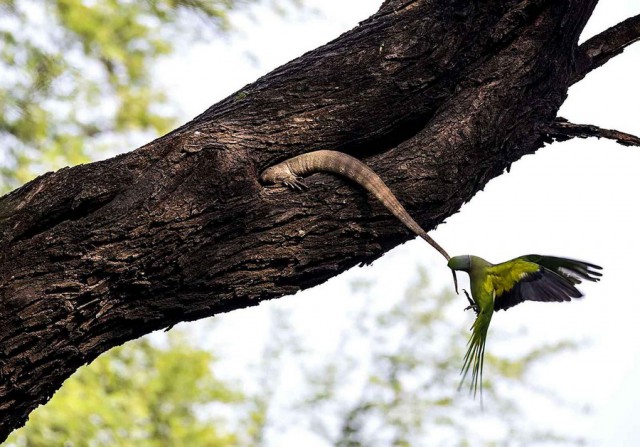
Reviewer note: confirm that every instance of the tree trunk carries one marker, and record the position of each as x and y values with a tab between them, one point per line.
437	96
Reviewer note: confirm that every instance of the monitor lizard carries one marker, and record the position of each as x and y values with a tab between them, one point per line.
289	172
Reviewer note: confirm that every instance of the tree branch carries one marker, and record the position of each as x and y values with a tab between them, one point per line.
562	130
596	51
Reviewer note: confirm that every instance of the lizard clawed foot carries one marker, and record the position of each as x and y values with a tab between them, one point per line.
296	184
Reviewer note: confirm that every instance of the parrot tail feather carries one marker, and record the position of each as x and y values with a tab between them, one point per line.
474	358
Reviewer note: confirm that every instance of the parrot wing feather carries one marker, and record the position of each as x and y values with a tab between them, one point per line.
543	285
538	278
572	269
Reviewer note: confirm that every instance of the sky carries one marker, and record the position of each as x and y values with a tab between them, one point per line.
576	199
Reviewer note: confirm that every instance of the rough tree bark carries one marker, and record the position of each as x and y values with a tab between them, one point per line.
438	96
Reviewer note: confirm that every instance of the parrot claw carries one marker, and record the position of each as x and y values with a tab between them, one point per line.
474	308
472	304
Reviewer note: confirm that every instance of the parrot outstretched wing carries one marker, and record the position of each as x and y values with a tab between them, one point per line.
572	269
539	278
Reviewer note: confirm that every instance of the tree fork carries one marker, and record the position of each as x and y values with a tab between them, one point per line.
437	96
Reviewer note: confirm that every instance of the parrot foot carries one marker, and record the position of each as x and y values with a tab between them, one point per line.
472	304
475	308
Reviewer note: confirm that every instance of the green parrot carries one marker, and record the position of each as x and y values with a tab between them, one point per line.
501	286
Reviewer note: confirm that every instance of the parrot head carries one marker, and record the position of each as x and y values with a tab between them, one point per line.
462	263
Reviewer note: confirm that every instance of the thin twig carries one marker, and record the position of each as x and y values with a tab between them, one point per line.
562	130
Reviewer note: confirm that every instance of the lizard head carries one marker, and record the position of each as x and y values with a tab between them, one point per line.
279	173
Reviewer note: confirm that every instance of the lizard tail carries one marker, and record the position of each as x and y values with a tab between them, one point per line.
358	172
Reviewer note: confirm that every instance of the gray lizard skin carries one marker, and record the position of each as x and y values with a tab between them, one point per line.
289	172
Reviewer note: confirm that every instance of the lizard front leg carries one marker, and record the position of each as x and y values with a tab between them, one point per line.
281	173
295	183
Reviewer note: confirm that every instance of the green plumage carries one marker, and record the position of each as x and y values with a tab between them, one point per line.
501	286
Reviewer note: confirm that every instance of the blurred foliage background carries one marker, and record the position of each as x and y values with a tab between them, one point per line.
391	380
76	76
76	83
